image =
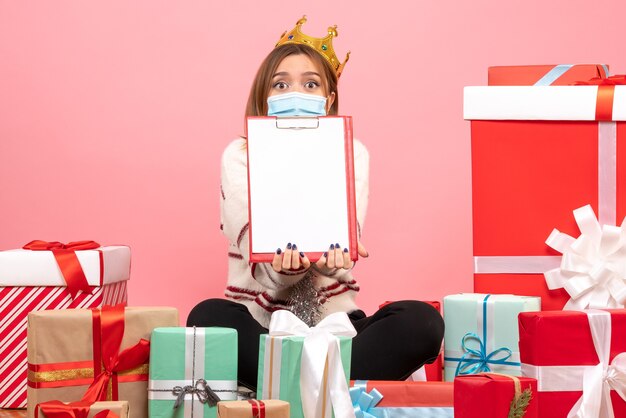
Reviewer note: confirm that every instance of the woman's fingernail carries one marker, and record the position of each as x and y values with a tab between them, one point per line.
332	246
336	245
278	251
325	254
289	246
294	247
301	254
345	250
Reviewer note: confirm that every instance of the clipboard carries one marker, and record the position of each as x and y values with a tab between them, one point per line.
300	185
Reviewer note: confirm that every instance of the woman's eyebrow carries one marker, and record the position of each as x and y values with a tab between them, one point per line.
280	74
311	73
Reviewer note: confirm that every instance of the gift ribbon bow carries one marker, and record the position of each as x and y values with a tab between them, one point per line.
321	361
201	390
478	361
364	403
58	409
65	256
600	379
108	330
593	266
606	92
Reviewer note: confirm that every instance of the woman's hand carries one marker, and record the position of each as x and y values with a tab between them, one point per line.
336	258
290	259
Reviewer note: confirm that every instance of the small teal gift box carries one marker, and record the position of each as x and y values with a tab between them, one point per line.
307	367
190	370
482	333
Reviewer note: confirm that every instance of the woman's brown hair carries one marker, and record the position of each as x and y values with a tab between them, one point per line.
257	101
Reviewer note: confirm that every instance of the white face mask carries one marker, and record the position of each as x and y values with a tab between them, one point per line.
296	104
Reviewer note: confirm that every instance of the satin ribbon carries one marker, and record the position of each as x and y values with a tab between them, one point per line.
593	266
108	330
258	408
321	369
364	403
606	92
552	75
65	256
58	409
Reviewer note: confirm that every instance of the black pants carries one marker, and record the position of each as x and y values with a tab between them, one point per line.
390	345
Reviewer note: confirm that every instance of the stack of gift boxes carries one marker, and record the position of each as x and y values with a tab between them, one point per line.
547	157
543	336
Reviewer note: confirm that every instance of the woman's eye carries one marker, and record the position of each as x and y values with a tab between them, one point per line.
281	85
311	85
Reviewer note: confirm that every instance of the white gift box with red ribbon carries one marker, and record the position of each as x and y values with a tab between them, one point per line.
33	281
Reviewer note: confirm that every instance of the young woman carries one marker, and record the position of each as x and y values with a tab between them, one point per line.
298	78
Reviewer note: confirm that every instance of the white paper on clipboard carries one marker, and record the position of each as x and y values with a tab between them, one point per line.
301	185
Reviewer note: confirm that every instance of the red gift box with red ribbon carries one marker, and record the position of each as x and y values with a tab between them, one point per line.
538	153
568	351
396	398
492	395
90	355
544	75
51	275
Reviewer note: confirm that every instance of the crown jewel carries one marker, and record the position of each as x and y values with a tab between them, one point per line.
322	45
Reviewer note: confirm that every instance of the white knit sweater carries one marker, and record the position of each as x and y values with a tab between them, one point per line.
257	285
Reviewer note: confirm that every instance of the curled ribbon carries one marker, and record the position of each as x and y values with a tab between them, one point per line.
321	368
600	379
65	256
364	403
107	341
478	361
201	389
593	266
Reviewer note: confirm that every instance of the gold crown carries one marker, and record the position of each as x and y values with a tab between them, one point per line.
322	45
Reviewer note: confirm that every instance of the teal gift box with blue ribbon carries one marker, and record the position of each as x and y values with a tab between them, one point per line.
482	333
190	370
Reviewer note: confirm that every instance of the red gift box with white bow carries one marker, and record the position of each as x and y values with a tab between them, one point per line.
578	359
538	153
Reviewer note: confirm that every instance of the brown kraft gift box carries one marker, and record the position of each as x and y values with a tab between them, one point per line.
245	409
61	354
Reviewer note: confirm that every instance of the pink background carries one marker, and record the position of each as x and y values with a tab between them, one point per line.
113	117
